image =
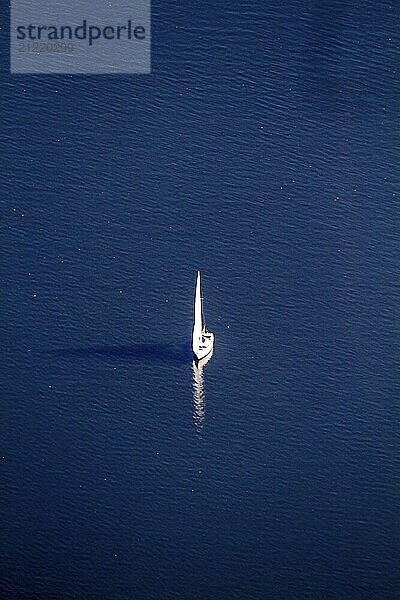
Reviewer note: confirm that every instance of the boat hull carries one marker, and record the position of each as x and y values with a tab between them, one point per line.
203	351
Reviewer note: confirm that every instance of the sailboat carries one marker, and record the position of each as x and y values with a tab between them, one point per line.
203	340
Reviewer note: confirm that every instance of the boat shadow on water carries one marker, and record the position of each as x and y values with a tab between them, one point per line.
141	352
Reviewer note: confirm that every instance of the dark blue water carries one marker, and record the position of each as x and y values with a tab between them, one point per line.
262	150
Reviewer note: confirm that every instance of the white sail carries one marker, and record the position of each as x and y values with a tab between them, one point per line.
203	341
197	327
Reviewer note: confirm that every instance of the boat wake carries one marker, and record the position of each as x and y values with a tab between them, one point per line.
199	400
